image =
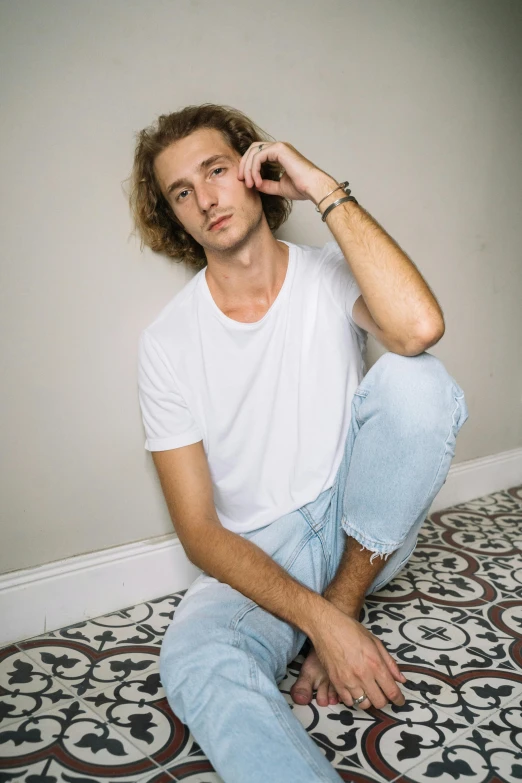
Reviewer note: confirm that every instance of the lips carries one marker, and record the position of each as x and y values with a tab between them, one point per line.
218	223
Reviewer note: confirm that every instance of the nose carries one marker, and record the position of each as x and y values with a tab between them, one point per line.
206	197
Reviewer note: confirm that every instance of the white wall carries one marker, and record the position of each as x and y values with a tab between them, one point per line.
416	102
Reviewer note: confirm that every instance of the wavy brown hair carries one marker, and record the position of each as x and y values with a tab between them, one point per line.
153	216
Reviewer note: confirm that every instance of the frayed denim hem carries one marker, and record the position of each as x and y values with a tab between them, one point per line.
378	549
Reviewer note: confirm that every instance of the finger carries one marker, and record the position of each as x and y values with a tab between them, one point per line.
244	160
374	695
348	696
389	687
269	186
345	696
390	662
247	162
379	684
256	160
259	157
249	180
364	705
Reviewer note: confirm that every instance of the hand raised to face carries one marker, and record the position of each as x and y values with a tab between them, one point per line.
301	179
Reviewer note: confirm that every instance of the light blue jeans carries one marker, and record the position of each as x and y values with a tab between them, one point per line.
223	656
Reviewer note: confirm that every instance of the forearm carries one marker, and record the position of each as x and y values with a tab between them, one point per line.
396	294
247	568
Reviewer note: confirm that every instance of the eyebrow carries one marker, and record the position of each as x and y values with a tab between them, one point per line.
203	165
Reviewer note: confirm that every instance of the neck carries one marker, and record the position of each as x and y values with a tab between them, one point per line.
245	285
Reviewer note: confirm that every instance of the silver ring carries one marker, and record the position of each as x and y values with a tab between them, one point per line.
360	699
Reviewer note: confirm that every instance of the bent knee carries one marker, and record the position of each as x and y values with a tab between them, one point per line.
190	668
416	389
424	368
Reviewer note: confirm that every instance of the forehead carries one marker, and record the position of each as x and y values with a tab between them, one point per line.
182	158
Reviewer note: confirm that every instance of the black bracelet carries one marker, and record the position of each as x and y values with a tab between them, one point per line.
335	203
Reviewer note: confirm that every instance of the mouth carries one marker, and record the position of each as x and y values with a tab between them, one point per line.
220	222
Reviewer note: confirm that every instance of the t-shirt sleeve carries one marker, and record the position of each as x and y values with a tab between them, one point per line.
342	281
167	419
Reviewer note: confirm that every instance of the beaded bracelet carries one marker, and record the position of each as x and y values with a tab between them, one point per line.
335	203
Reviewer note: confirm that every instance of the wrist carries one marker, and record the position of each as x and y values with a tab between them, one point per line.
321	187
347	605
326	615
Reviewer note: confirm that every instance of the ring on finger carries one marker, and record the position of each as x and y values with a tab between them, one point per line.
360	699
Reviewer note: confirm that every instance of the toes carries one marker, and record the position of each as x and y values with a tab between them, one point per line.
301	691
333	698
322	694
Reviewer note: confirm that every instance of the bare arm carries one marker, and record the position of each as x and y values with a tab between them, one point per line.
185	479
187	486
398	301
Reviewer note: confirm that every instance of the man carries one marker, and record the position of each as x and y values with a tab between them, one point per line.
295	481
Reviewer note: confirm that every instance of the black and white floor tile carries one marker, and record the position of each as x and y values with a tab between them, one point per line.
85	704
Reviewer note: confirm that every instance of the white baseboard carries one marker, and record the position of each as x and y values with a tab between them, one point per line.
41	599
478	477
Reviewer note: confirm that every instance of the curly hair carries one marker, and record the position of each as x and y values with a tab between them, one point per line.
153	216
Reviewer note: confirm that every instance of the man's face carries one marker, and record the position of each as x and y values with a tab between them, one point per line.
201	194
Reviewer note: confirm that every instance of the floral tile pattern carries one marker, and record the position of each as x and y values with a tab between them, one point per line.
85	704
68	740
474	756
142	625
441	575
25	688
482	532
83	673
138	710
503	573
448	639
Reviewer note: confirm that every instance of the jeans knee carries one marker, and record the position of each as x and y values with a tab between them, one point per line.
183	659
197	659
417	389
173	665
407	369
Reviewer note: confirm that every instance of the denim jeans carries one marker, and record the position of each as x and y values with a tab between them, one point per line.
223	655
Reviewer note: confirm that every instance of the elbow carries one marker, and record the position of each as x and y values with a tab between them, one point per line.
429	336
202	542
194	555
190	548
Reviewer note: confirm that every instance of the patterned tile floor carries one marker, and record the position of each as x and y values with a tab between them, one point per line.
85	703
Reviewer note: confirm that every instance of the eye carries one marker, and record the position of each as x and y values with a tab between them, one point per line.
179	196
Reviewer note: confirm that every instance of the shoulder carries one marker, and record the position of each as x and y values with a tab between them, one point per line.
168	336
332	255
328	254
177	311
309	258
325	263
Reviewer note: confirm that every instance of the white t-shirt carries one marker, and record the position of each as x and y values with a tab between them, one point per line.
270	400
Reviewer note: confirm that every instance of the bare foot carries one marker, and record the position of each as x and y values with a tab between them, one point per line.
313	677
